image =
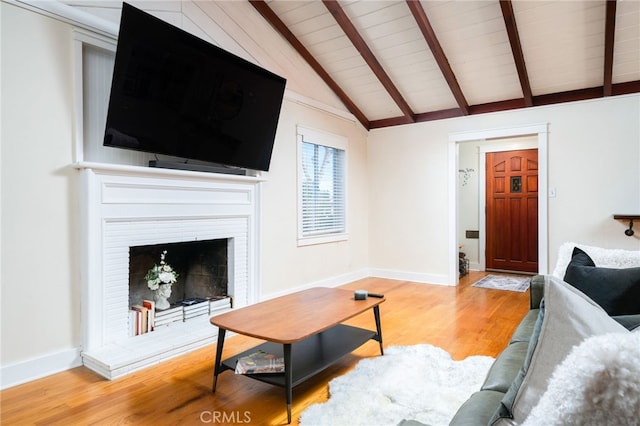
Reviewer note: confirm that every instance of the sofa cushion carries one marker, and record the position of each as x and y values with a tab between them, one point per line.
506	405
597	384
513	362
569	318
506	367
616	290
478	409
525	328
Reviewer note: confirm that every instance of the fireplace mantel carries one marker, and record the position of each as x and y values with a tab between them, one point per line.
123	206
123	169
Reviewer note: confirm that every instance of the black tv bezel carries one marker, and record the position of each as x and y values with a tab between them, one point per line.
260	161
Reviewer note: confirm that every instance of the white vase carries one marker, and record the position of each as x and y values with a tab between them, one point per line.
161	296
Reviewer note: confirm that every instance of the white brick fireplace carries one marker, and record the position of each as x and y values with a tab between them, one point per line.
125	206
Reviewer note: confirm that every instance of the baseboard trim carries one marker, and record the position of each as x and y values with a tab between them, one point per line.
37	368
411	276
328	282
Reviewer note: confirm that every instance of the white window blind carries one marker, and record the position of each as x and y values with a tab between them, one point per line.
322	195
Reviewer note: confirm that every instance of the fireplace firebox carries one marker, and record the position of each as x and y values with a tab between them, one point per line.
202	267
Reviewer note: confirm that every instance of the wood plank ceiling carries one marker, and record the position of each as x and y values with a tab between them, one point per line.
399	62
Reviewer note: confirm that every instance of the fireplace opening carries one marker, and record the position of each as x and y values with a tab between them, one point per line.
202	266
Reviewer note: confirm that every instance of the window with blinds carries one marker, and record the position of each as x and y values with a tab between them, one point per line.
322	187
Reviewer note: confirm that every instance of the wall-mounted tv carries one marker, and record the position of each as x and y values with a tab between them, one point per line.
175	94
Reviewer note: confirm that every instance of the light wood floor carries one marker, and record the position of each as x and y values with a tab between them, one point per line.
463	320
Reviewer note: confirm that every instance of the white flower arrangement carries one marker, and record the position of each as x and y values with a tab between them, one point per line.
161	274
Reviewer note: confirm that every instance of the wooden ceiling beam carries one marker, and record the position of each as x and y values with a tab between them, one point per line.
588	93
626	88
516	49
512	104
569	96
498	106
426	116
441	59
358	42
270	16
389	122
609	35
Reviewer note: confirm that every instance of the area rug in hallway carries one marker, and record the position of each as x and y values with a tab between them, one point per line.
419	382
504	282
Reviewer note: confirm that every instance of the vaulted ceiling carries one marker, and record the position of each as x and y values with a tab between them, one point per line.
399	62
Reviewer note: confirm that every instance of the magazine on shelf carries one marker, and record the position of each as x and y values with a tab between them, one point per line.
168	316
204	306
219	310
195	308
260	362
189	315
172	310
218	301
167	321
192	301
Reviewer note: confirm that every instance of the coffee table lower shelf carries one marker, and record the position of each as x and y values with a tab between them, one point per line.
309	356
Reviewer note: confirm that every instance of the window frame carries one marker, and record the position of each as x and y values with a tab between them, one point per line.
318	137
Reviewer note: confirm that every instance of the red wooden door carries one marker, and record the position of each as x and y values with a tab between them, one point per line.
512	210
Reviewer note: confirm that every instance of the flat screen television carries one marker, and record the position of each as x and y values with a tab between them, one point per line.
175	94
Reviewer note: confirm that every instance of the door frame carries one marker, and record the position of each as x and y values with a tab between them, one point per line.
455	139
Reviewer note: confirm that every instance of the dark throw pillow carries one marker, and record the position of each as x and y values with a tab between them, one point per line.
616	290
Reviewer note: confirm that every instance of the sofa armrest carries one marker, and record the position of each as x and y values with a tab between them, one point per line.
536	291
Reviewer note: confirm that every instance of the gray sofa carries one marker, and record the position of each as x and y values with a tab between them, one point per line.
484	406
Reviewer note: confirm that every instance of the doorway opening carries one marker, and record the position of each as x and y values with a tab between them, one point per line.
467	151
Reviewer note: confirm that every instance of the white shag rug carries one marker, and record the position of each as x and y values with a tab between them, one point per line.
504	282
419	382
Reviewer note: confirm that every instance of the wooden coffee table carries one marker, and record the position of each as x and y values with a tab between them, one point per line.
304	327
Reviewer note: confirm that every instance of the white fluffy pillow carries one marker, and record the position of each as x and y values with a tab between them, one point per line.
604	258
597	384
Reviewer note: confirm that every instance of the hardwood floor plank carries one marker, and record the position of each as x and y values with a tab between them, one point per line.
463	320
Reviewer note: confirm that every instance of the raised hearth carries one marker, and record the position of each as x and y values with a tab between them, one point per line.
127	206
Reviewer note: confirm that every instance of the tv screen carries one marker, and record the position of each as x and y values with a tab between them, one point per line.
175	94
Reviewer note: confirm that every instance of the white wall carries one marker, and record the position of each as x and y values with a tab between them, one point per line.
284	264
40	272
408	205
468	200
594	153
